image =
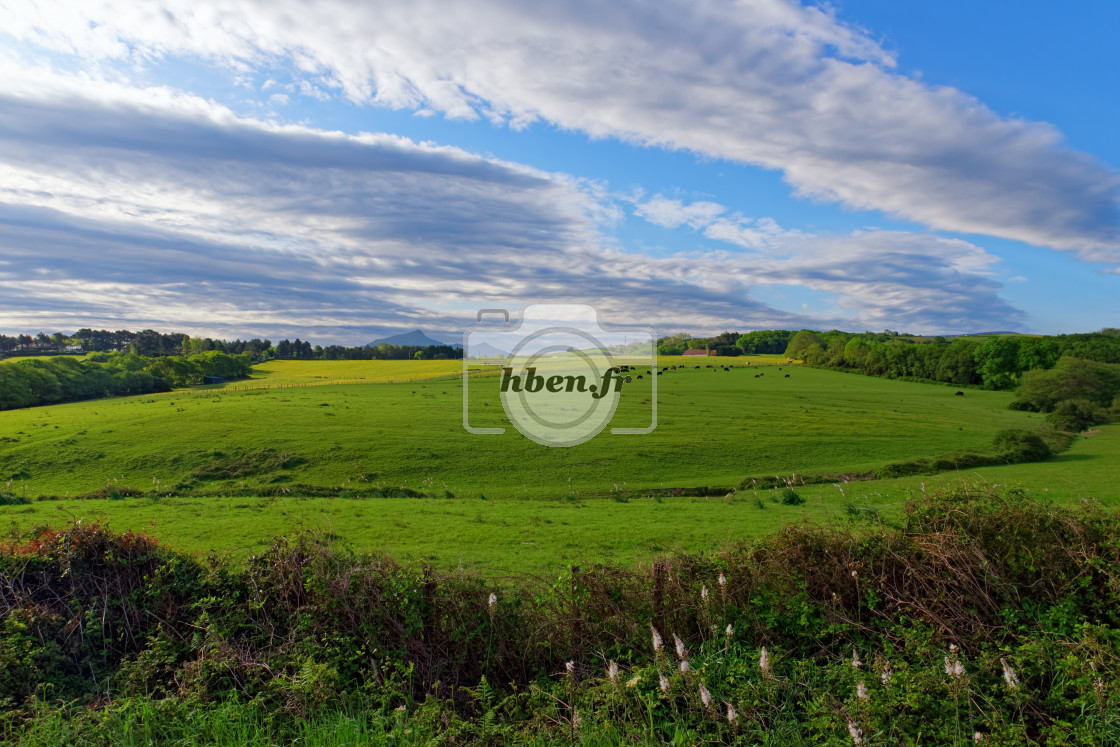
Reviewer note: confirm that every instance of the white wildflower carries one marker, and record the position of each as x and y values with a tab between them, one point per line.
977	737
885	677
861	691
855	574
705	696
570	668
633	681
657	642
722	579
612	671
682	652
953	648
856	732
493	600
958	669
1009	675
663	681
730	630
732	714
685	668
856	663
704	592
575	719
764	661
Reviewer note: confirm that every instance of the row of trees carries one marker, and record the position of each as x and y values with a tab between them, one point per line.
994	362
45	381
302	350
725	343
150	343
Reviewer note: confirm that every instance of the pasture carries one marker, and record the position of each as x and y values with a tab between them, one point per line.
503	502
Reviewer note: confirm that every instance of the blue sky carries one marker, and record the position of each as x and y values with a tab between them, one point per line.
335	172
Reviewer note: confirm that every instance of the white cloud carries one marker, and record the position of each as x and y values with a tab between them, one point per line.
128	207
765	82
673	213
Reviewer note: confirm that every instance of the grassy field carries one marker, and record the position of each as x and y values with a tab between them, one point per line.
514	504
289	373
714	427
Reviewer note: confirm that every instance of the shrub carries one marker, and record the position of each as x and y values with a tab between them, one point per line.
1021	446
789	497
1074	415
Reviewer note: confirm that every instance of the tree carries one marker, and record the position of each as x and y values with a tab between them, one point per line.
1038	352
997	362
765	341
958	363
800	342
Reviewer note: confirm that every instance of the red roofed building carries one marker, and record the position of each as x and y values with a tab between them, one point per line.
698	351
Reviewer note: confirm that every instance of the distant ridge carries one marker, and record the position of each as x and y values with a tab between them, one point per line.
415	337
486	350
982	334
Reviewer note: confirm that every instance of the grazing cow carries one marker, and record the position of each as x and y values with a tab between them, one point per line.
787	376
697	368
757	375
639	376
660	372
779	368
960	394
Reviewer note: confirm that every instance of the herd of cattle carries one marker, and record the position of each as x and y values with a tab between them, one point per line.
682	367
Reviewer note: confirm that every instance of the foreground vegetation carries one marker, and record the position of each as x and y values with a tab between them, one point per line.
983	612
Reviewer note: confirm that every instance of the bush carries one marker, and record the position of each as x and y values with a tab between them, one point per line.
1074	415
789	497
1021	446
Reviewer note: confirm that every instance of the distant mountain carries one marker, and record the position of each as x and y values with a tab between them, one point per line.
985	334
486	350
415	337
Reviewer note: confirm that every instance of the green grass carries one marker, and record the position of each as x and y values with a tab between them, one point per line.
714	428
542	505
289	373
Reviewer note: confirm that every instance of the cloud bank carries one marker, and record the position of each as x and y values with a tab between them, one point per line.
764	82
135	207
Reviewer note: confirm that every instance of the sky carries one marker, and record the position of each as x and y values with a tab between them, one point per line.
339	171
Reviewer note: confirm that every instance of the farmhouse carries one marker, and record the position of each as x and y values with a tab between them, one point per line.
698	351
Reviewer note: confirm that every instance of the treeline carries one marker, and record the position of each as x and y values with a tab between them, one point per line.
150	343
996	362
46	381
303	350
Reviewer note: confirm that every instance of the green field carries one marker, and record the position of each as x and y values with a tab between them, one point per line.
513	504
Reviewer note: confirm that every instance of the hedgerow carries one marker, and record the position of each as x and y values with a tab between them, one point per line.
985	613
